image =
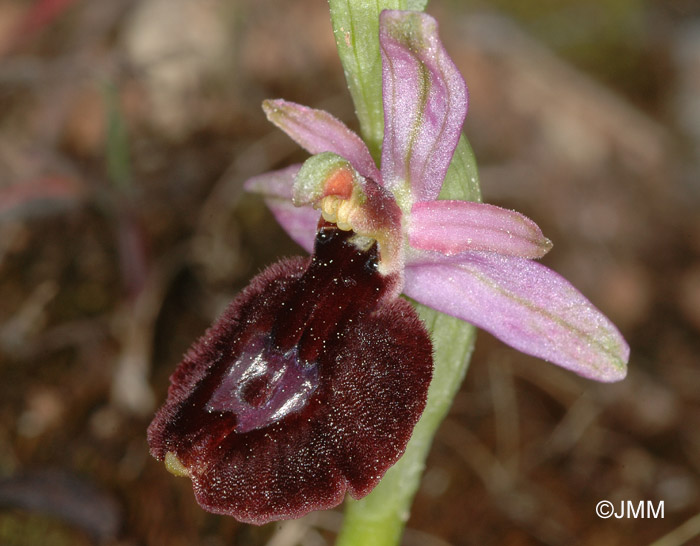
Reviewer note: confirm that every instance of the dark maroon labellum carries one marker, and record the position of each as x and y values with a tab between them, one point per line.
308	386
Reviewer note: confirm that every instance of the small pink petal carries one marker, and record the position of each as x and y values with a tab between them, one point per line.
317	131
300	223
425	102
525	305
452	227
274	183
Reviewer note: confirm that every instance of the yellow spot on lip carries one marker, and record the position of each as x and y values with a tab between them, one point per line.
174	466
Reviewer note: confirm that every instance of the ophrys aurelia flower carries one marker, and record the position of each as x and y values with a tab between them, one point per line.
311	382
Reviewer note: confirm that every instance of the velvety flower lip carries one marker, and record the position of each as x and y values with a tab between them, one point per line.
469	260
307	387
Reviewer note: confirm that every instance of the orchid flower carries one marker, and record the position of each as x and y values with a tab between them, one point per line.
310	384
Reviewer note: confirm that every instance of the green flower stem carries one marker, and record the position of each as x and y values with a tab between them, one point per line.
379	518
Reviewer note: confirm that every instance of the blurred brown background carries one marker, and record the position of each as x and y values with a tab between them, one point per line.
126	130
